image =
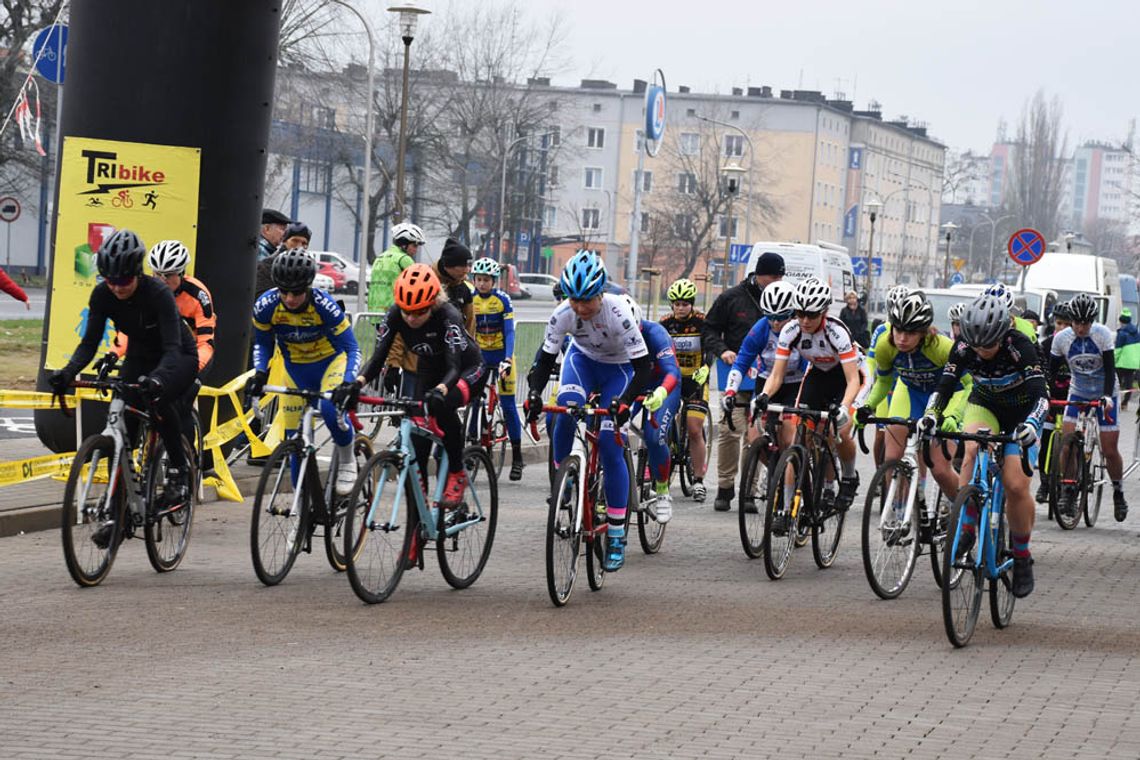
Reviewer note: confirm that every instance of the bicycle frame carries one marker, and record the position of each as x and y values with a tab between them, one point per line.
586	448
322	497
909	463
986	477
1087	427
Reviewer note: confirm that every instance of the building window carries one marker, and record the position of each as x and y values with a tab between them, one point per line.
314	177
734	115
687	183
646	180
690	143
733	145
553	137
645	221
724	226
690	112
549	216
591	219
552	181
592	178
595	137
682	224
597	108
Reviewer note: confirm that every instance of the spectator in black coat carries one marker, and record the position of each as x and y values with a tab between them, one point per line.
855	317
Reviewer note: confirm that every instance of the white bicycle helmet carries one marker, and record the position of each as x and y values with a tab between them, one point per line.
406	233
778	298
954	313
896	294
912	314
168	257
633	306
813	295
1001	292
487	266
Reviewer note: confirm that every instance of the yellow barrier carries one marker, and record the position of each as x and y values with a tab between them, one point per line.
218	435
23	470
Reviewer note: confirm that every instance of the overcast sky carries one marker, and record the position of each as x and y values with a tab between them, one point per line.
958	66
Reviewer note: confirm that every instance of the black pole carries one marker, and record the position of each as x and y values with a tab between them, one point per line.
196	74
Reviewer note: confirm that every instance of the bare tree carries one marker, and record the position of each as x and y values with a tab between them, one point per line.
961	170
1038	166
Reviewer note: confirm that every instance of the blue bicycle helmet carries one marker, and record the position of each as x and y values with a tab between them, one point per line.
584	276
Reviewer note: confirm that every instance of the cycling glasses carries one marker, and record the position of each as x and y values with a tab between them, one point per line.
119	282
301	292
416	313
808	314
781	316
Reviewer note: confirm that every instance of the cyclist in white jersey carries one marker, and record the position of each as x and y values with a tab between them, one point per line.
1089	347
833	379
607	355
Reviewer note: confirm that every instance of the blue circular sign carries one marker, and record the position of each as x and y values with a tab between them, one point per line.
1026	246
655	112
51	63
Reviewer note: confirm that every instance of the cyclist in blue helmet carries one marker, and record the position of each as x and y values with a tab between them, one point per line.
607	355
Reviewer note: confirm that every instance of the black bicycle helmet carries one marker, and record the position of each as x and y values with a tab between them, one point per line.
294	269
121	255
1061	311
985	321
1083	308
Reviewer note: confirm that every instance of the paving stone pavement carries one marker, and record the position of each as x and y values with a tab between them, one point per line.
689	653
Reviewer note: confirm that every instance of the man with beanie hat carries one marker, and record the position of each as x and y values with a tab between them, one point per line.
454	264
727	323
1127	355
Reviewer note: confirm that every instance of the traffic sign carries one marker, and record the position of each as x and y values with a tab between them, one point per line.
859	266
548	253
957	278
738	253
958	264
9	209
1026	246
52	62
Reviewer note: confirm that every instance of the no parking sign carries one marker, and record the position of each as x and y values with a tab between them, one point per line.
1026	246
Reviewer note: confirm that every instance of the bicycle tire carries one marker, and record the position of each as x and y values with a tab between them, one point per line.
826	532
166	548
375	548
499	439
564	532
463	555
1001	587
336	511
1097	472
650	533
754	485
937	543
1071	453
87	564
962	601
288	530
596	537
679	449
889	553
777	549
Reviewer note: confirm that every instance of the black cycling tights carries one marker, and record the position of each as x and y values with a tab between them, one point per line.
447	416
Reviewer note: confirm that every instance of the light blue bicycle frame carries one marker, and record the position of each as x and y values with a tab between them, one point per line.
989	516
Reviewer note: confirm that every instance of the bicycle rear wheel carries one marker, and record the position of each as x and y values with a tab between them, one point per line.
890	545
937	537
650	533
1090	506
338	509
280	516
596	538
167	530
376	544
786	504
1071	467
1001	587
563	531
679	449
87	508
466	533
826	528
754	487
499	439
962	600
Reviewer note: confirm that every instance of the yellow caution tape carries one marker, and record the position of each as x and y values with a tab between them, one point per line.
23	470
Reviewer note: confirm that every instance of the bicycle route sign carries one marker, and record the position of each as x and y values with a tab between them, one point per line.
1026	246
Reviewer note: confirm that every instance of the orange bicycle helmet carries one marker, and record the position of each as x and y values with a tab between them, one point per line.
416	287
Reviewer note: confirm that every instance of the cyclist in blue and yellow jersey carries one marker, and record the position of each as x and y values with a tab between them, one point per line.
318	346
607	355
894	295
684	324
909	359
663	402
1009	396
495	331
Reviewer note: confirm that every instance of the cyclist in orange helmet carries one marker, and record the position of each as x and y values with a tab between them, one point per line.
450	369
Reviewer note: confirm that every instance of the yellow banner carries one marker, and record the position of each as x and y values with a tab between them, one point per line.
104	186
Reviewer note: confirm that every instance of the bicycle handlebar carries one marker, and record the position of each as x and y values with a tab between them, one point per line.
1078	404
985	437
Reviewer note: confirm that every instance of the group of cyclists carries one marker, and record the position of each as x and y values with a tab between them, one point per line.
441	337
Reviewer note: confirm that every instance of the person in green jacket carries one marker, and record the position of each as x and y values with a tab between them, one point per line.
1127	355
407	239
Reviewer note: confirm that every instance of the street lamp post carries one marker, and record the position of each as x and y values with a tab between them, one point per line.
751	162
949	227
732	188
503	194
873	207
993	238
366	181
409	14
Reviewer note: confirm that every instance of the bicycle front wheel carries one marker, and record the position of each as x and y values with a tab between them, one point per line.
280	516
563	531
167	530
650	532
91	512
467	532
786	503
1071	473
1001	587
376	544
1090	506
890	542
338	509
596	538
753	497
962	600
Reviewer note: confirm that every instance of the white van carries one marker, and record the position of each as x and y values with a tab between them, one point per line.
1072	273
826	261
1039	300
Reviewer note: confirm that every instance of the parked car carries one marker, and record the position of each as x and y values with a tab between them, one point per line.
350	271
336	274
541	286
323	282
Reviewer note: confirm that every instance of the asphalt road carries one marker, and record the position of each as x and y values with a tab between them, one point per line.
689	653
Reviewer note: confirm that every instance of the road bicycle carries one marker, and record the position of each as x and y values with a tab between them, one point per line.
291	502
991	556
1079	468
576	521
679	446
650	532
390	520
797	498
485	424
899	521
759	464
116	486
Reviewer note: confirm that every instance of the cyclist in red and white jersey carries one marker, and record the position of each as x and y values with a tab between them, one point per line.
832	380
